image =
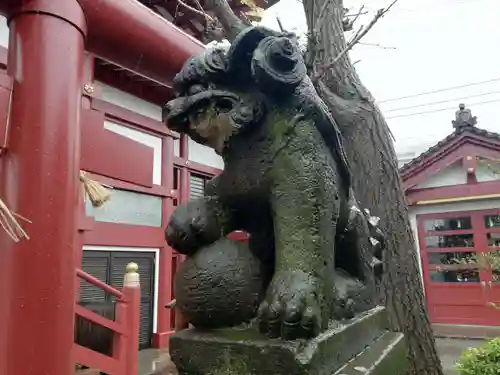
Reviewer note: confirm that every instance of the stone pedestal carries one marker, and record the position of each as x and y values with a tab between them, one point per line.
361	346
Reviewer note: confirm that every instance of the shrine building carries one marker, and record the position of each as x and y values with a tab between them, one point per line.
453	194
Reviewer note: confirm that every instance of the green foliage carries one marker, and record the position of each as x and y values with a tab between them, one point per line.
484	360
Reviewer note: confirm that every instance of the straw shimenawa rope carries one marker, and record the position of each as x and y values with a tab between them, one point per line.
97	193
9	222
171	304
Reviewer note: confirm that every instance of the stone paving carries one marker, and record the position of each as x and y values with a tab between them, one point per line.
155	362
450	349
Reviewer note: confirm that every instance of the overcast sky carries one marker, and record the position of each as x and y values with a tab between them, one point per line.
429	45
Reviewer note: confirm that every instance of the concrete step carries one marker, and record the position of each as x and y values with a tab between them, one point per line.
387	356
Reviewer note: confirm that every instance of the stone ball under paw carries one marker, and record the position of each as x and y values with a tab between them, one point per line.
221	285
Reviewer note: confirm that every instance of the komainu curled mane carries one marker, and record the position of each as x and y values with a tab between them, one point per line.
286	182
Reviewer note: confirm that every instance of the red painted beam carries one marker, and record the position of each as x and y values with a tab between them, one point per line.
469	164
128	34
102	152
165	292
40	181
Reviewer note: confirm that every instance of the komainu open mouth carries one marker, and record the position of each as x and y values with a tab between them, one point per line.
178	113
205	116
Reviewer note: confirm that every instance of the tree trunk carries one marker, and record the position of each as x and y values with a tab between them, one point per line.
370	150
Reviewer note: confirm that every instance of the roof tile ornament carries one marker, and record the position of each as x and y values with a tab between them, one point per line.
463	117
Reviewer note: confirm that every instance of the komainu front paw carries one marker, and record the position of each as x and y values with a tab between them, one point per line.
291	308
190	227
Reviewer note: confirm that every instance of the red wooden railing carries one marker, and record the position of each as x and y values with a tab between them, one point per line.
125	327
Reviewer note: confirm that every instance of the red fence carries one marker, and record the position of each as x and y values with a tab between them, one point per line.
125	327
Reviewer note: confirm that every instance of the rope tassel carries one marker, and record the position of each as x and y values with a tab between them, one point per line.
171	304
97	193
9	222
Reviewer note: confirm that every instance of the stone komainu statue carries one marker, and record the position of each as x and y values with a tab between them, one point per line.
286	182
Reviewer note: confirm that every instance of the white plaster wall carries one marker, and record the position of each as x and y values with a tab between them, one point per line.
476	205
130	102
450	176
145	139
204	155
4	32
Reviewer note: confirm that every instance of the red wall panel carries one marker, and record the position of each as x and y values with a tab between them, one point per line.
112	155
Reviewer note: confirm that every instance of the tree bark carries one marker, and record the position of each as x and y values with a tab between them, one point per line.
230	22
370	150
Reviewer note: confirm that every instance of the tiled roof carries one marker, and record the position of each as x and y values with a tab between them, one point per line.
458	132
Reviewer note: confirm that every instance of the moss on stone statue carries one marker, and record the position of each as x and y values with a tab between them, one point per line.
231	366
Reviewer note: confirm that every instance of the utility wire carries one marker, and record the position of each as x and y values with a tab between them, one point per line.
440	90
440	110
442	101
430	6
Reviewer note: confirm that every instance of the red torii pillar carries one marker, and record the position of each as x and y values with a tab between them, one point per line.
39	180
39	172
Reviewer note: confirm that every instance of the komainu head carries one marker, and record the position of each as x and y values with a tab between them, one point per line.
223	92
